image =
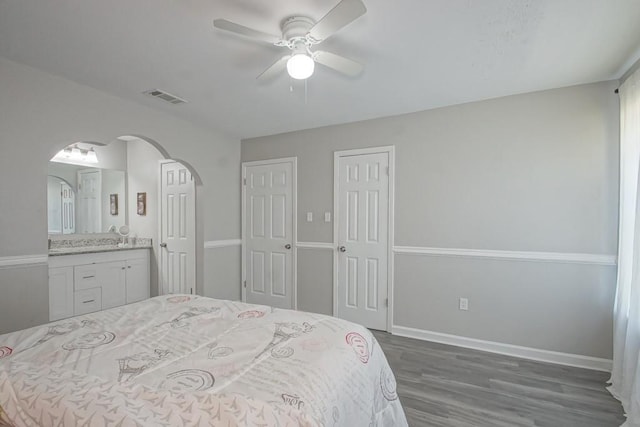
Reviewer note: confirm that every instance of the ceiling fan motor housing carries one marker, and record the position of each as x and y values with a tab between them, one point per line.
295	29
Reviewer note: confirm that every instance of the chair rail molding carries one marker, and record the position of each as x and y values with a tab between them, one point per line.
23	260
314	245
558	257
212	244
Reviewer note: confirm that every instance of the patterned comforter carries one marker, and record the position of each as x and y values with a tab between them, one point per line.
187	360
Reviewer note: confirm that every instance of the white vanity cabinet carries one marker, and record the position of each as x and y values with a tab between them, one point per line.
84	283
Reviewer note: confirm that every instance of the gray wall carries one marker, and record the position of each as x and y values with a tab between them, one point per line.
224	264
39	115
143	176
532	172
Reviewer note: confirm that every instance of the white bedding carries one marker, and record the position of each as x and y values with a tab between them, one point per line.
188	360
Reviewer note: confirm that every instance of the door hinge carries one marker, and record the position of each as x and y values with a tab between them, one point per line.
387	170
244	181
191	291
386	302
245	283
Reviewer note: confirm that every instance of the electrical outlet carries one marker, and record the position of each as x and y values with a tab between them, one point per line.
327	217
309	216
463	304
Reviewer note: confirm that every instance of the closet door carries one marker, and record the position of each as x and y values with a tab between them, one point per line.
268	233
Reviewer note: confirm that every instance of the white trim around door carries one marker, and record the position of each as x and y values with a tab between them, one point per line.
294	237
390	149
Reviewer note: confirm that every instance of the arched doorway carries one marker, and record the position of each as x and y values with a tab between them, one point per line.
141	207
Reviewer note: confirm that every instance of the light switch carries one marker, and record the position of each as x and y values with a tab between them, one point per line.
327	217
309	216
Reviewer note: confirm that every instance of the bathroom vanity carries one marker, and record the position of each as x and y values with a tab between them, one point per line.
84	279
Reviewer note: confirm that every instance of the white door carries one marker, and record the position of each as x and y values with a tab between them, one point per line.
362	238
89	214
268	233
68	209
177	229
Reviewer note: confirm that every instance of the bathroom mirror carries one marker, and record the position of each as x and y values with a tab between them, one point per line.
83	199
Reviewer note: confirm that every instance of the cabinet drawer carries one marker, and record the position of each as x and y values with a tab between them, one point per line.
85	277
87	301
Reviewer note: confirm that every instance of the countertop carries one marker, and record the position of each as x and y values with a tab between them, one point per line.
95	249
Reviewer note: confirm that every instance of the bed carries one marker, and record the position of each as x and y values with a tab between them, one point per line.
189	360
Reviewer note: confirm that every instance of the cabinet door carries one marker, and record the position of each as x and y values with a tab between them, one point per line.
137	279
112	279
60	293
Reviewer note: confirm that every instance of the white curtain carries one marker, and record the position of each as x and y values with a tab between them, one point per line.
625	376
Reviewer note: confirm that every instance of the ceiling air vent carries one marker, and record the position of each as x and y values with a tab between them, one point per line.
165	96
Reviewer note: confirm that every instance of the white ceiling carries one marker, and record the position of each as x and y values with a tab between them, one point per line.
419	54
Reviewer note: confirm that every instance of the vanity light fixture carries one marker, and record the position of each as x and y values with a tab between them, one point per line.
75	153
91	156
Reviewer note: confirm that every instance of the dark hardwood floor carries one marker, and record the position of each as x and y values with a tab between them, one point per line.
442	385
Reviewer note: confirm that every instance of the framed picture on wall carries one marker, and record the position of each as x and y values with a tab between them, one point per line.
113	204
142	203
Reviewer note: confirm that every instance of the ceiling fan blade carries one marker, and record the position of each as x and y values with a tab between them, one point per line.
275	69
344	13
223	24
339	63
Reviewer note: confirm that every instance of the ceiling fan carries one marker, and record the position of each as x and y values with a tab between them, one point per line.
299	35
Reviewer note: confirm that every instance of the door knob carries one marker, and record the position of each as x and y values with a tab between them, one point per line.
287	246
342	249
163	245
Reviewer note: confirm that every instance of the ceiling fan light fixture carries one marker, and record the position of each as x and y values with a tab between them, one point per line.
300	66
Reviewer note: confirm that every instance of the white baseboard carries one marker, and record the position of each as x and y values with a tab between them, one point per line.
539	355
23	260
211	244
